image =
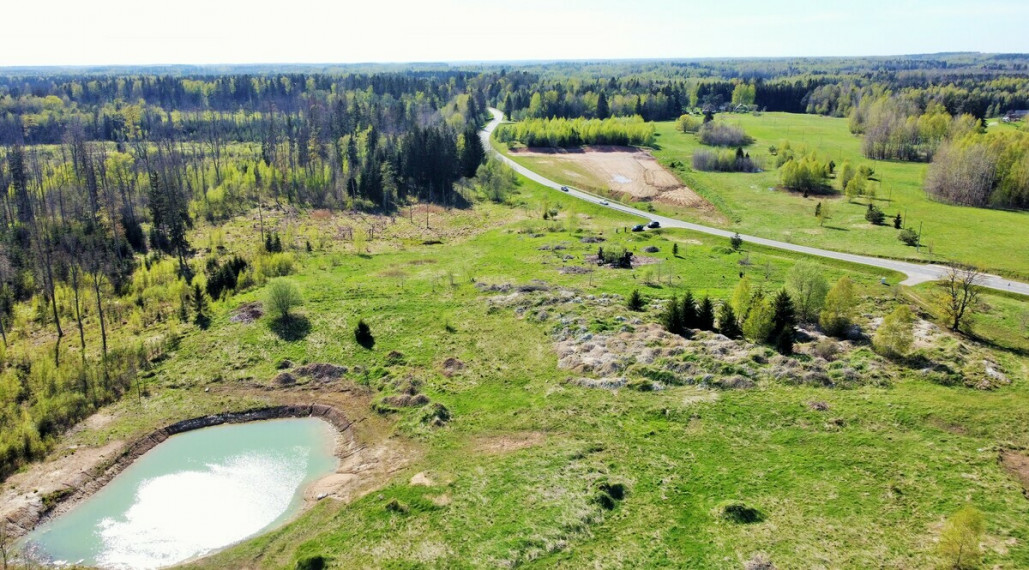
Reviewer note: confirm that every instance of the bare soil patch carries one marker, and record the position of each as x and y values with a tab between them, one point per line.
630	171
247	313
1017	464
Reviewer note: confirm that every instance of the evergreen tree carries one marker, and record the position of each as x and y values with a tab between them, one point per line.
472	153
672	319
897	222
690	316
727	323
635	301
603	110
784	319
706	315
199	301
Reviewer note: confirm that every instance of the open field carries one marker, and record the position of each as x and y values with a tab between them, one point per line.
751	203
625	173
512	478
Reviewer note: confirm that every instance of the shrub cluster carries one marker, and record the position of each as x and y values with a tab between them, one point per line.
724	161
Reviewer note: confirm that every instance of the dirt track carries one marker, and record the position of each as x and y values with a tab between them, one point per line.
625	170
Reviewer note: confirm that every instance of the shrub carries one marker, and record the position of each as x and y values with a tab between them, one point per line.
838	309
721	134
736	242
688	123
874	214
723	161
896	335
283	297
635	302
908	236
959	542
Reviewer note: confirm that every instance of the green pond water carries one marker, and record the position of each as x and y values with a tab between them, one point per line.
197	492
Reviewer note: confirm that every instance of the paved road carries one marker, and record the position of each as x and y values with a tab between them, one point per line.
916	273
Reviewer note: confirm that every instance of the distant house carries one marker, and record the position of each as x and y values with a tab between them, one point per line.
1015	116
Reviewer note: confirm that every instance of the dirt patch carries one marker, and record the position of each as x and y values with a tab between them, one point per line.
629	171
321	371
452	366
247	313
509	442
1017	464
421	479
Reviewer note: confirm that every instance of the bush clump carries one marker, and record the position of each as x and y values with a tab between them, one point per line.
720	134
723	161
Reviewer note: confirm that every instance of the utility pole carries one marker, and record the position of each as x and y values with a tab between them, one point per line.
918	245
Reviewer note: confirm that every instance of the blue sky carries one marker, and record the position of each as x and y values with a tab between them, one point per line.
77	32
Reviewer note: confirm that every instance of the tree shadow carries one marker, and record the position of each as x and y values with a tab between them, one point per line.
291	327
366	340
363	335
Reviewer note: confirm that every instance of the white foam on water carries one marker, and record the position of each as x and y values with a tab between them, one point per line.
186	514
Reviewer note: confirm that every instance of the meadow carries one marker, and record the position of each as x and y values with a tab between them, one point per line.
516	477
753	203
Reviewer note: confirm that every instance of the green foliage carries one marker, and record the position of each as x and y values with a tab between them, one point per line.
959	542
688	123
808	287
838	311
282	297
716	133
896	334
496	180
635	302
736	242
757	326
908	236
807	174
874	215
723	161
741	296
706	314
622	131
690	314
784	320
728	325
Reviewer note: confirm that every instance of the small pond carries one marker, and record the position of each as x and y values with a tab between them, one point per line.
197	492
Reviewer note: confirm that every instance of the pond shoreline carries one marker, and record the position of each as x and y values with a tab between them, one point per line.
93	479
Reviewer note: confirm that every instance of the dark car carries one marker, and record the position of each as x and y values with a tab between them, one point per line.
637	228
564	188
654	224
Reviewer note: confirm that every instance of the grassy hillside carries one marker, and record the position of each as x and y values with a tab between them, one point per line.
534	467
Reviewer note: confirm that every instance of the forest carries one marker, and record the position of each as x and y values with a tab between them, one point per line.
106	175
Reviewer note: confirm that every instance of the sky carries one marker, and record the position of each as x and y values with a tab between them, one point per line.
131	32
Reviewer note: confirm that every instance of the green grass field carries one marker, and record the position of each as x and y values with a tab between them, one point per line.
997	241
515	476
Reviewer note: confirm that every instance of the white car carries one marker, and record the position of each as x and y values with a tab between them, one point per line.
604	203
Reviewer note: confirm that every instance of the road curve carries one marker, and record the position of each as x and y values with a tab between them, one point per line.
916	273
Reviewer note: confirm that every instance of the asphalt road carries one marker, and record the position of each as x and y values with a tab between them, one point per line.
916	273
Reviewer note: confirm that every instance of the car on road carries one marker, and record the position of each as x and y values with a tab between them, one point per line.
564	188
654	224
638	228
605	203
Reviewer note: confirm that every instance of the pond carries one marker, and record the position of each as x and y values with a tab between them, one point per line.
195	493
